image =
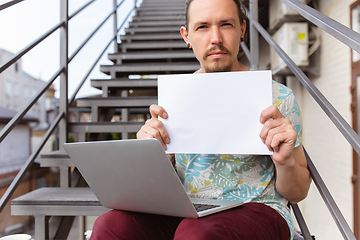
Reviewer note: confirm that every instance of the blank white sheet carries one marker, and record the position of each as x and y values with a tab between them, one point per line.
215	113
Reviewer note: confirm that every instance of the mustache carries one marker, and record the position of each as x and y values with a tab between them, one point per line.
215	48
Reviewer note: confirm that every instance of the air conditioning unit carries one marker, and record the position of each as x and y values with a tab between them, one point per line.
293	38
279	12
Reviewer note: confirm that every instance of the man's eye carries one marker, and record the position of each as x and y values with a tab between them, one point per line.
227	24
201	27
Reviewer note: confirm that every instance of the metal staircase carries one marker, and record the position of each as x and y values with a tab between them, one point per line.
152	45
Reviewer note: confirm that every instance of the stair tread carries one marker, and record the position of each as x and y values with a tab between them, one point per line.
152	55
157	23
58	196
117	102
151	36
157	18
153	29
104	127
58	202
153	45
123	82
55	154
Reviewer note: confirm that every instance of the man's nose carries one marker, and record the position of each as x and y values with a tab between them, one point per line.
216	37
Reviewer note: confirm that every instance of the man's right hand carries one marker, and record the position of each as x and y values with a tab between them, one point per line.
154	128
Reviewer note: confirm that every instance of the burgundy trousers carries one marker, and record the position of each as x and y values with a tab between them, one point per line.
251	221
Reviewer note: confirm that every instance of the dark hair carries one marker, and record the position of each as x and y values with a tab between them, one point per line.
242	6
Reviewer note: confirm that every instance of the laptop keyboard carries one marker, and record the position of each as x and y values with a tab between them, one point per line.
202	207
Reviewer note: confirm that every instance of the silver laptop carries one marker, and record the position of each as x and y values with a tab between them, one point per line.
136	175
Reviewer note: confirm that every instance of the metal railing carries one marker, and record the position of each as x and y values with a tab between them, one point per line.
348	37
344	34
61	118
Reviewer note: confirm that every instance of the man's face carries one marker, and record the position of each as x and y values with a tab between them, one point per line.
214	32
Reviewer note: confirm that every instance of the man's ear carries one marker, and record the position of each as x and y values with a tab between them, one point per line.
243	28
184	34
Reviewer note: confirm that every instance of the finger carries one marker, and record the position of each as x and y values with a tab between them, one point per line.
156	110
273	139
270	112
154	128
269	124
160	128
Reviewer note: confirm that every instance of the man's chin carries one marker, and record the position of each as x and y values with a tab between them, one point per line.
210	69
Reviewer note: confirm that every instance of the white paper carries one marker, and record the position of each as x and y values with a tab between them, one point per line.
215	113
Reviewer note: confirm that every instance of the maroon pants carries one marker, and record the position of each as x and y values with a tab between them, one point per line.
251	221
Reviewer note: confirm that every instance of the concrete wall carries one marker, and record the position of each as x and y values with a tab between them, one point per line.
14	149
17	88
329	150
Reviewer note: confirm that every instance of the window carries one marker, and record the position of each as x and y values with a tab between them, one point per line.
16	89
8	88
26	91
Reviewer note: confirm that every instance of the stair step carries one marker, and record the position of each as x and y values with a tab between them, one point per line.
125	46
134	30
118	58
117	102
157	23
162	13
146	69
161	7
58	202
56	159
147	37
123	83
105	127
158	18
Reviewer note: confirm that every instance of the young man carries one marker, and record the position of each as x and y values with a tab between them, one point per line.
214	30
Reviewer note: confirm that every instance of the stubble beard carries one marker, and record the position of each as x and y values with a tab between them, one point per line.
217	65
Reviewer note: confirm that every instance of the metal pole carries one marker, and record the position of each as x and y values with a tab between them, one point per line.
115	26
254	35
63	103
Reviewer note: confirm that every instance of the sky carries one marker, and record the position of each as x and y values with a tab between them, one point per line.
24	22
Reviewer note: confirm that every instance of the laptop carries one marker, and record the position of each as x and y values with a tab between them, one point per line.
136	175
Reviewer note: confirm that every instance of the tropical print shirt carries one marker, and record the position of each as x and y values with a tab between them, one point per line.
247	178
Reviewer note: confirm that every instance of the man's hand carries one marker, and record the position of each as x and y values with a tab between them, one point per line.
292	176
278	134
154	128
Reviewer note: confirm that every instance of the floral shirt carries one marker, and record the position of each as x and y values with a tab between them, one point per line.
247	178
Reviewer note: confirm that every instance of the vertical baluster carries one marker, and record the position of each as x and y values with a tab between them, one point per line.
115	26
63	104
254	35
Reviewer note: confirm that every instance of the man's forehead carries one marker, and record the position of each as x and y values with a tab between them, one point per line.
199	10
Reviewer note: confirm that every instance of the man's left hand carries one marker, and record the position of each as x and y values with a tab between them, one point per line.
278	134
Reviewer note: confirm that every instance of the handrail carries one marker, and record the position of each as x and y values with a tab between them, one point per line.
9	4
338	30
7	129
334	28
30	46
97	60
332	113
93	33
20	114
20	175
80	9
299	218
329	201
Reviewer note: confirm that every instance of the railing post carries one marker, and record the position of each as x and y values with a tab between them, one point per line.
63	103
115	26
254	35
